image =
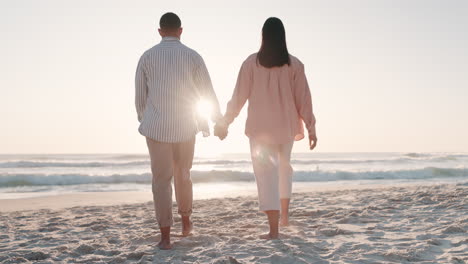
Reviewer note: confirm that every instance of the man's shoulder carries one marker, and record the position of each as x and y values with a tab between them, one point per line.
181	47
191	52
162	46
187	52
147	52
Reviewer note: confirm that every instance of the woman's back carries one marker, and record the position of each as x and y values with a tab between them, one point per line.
277	98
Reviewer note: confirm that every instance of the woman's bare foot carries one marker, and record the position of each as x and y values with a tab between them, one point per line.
164	245
284	221
187	226
269	236
187	229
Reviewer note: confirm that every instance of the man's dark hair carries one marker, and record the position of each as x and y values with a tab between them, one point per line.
169	21
273	52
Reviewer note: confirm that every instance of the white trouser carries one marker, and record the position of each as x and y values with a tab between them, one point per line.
273	173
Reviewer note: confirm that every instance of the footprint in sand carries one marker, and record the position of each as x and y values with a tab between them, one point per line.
454	229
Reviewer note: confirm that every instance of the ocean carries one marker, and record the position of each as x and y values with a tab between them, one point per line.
38	175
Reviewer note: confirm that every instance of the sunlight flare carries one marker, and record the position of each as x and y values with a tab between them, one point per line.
204	109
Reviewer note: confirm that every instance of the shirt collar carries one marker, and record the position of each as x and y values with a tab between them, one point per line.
164	39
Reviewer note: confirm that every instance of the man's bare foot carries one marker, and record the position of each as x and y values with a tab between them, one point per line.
269	236
164	245
187	229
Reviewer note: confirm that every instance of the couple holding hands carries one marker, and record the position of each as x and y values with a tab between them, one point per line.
172	78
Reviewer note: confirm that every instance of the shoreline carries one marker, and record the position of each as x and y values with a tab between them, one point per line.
201	192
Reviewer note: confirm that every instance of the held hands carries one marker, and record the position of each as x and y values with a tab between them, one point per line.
312	141
220	131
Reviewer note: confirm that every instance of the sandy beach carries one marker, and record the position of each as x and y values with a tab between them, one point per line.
393	224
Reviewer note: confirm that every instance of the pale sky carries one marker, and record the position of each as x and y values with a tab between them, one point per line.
388	75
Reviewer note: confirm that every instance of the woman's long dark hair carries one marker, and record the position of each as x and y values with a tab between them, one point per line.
273	52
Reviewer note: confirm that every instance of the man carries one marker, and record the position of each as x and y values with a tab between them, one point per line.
171	79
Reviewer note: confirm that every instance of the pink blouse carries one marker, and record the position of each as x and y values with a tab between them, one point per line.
279	100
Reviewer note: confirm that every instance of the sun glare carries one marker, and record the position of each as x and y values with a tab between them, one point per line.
204	109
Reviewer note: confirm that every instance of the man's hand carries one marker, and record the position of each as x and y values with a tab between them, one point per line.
220	131
312	141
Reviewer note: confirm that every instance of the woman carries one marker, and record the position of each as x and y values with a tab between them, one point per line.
275	84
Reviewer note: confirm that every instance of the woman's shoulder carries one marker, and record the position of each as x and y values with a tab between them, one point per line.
252	58
250	62
295	62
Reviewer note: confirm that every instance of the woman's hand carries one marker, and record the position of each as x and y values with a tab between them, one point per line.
312	141
220	131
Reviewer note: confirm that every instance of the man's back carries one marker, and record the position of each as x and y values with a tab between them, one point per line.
171	79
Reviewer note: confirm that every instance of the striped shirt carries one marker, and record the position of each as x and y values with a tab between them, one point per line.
170	81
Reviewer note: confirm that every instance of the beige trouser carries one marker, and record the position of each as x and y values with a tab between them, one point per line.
273	173
167	160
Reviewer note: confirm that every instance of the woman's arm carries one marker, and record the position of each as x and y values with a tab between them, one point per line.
303	101
240	95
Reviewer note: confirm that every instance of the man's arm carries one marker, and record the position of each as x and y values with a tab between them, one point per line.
205	88
141	89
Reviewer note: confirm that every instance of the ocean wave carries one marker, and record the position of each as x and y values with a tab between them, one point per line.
11	180
417	174
67	164
417	155
406	158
